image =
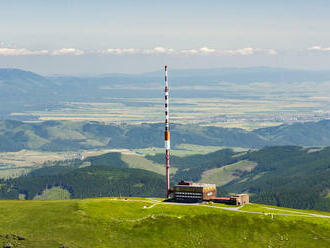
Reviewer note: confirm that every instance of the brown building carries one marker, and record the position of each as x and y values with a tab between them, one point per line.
241	199
237	199
193	192
197	192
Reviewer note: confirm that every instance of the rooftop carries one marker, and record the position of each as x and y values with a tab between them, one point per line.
192	184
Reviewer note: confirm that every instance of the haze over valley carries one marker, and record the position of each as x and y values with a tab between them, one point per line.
247	98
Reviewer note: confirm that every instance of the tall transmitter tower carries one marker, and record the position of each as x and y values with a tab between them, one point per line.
167	135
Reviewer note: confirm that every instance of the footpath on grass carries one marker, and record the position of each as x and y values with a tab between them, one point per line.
293	213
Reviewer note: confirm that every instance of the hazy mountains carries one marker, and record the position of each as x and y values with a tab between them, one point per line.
24	90
25	82
71	136
17	84
247	75
304	134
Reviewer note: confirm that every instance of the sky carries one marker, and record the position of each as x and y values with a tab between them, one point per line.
105	36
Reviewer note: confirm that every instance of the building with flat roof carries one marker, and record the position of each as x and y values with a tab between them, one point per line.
236	199
193	192
198	192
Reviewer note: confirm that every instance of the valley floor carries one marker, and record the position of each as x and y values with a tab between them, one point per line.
146	222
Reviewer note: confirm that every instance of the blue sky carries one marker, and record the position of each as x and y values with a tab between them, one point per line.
77	37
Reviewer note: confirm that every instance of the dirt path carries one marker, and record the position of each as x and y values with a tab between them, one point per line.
235	209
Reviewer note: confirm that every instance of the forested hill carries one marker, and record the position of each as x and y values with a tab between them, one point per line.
287	176
71	136
107	175
299	134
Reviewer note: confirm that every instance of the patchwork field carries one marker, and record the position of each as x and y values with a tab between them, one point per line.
225	104
240	113
140	222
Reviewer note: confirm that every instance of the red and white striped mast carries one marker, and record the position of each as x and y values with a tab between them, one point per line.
167	135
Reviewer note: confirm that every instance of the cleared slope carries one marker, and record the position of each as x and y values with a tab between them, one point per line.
140	162
223	175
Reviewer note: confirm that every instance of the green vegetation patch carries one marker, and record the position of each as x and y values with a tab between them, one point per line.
54	193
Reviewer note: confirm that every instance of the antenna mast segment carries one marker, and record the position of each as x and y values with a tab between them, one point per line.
167	135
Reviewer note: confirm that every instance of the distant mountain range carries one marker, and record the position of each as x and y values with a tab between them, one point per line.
72	136
247	75
23	90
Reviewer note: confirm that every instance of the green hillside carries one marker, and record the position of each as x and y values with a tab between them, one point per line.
298	134
288	176
98	180
74	136
138	222
225	174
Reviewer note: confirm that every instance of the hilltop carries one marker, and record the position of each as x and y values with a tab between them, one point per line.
140	222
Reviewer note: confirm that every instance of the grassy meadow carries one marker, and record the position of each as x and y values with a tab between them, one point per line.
139	222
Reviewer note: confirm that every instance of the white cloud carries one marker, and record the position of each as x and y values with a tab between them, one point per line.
318	48
189	51
21	51
207	50
242	51
272	52
121	50
248	51
68	51
159	50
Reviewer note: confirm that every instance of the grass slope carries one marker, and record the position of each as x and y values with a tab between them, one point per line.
140	162
141	222
223	175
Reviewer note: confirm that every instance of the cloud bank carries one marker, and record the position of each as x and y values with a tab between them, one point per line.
318	48
5	51
68	51
21	51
